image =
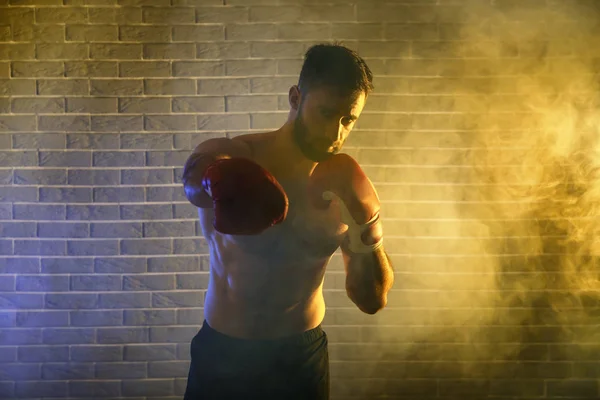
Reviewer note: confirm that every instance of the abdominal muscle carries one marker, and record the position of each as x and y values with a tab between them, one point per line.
270	285
238	306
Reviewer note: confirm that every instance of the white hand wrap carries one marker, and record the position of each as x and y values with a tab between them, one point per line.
355	231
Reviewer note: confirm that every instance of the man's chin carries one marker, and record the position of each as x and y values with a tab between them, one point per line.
312	155
322	157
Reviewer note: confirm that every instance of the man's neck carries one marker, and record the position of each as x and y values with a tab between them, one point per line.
288	154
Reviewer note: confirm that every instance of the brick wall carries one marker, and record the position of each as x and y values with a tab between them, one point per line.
102	265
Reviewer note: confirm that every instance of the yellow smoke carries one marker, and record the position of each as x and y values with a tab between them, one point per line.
528	194
534	166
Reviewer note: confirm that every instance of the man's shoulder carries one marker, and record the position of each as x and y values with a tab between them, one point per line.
255	143
251	139
232	147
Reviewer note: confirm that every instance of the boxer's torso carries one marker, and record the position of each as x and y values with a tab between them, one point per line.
270	285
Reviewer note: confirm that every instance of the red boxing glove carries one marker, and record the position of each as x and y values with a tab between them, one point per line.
247	199
341	177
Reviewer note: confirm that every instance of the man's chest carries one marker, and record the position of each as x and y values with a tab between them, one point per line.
307	233
314	228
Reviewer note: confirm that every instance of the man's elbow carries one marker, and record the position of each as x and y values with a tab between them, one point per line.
374	308
369	306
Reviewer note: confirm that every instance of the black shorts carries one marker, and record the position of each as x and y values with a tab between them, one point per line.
227	368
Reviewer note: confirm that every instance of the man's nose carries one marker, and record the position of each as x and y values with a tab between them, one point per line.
336	131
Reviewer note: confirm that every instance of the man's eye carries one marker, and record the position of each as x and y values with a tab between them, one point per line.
347	121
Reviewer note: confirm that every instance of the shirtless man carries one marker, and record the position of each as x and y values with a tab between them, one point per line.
274	207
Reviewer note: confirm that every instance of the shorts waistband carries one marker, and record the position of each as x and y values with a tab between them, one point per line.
305	337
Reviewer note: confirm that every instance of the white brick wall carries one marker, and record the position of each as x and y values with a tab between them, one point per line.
102	265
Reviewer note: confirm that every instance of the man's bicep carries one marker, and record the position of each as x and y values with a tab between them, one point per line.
347	258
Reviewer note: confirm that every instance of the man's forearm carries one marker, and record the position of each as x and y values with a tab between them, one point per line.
369	277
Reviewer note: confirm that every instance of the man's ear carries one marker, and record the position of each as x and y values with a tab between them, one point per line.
295	97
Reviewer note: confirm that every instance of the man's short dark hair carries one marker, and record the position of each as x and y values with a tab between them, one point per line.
335	66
